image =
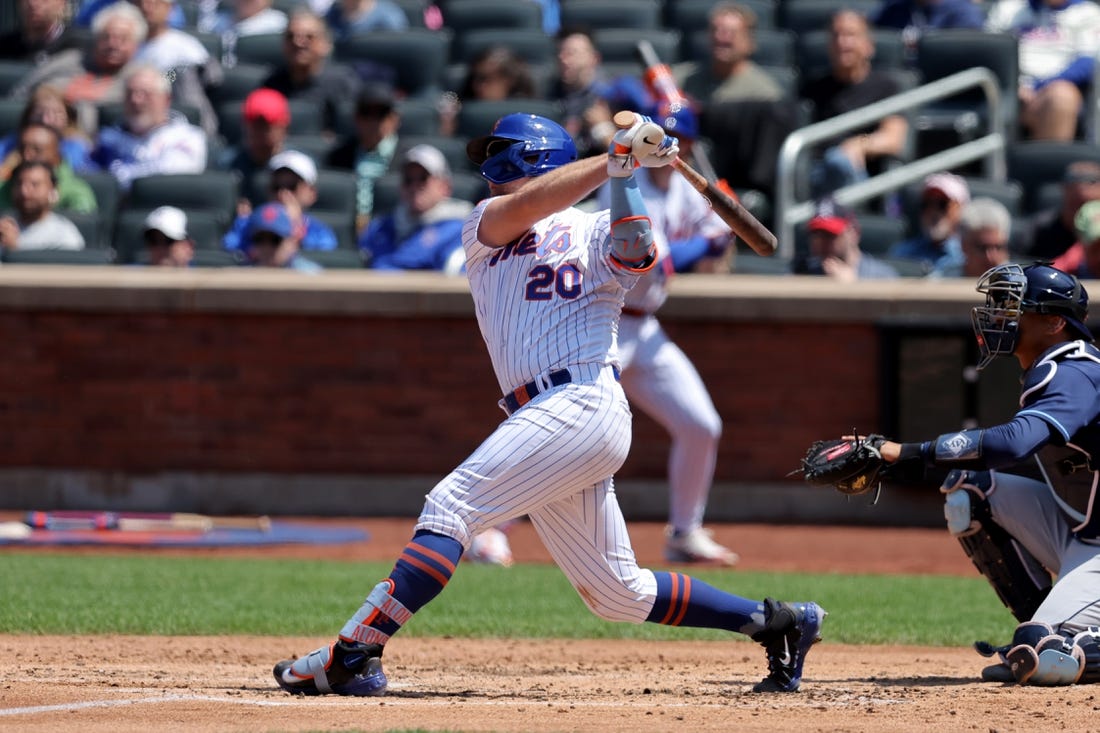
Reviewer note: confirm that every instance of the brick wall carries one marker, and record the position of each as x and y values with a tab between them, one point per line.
243	392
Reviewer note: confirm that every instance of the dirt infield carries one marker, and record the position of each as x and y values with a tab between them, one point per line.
124	684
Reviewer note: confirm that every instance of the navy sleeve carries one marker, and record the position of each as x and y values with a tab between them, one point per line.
1015	441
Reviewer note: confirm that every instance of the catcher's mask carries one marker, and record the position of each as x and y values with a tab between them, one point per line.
521	146
1011	290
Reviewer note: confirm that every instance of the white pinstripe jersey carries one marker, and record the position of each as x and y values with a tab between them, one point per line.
679	213
548	300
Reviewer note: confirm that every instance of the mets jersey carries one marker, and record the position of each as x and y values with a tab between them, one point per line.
551	298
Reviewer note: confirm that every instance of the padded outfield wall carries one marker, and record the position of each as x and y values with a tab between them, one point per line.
232	391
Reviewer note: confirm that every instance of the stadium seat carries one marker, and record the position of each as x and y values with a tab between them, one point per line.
262	49
91	228
473	14
453	149
774	47
212	190
812	51
414	11
611	14
1039	164
945	52
238	82
12	72
342	223
417	55
476	118
804	16
345	258
92	256
532	45
688	16
105	187
621	44
10	112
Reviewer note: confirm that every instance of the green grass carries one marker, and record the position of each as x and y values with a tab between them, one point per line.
77	594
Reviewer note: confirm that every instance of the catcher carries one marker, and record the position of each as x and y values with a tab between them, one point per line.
1018	531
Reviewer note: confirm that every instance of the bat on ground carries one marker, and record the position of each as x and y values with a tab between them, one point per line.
737	217
143	522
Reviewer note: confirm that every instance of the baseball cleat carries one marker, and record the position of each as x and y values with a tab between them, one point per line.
343	668
697	546
790	630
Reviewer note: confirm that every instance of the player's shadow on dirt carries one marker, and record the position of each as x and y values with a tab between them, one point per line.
930	681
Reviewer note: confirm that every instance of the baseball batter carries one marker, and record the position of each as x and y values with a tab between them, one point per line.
657	376
1020	530
548	282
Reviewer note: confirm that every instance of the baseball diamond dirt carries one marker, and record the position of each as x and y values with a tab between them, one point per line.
223	683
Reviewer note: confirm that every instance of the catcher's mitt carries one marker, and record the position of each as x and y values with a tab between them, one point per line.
852	466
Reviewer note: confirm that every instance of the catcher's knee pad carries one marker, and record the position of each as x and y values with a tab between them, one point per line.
1039	656
1020	581
1086	647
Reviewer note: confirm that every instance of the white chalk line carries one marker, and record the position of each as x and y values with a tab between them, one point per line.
337	701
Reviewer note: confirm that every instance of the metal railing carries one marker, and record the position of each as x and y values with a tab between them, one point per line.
990	147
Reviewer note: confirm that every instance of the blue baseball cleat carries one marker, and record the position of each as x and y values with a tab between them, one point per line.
790	629
343	668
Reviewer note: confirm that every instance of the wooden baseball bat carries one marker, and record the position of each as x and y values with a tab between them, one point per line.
737	217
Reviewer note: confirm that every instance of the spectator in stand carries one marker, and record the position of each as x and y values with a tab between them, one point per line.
369	152
308	73
424	232
496	73
42	31
584	91
914	17
89	9
266	117
938	245
273	239
1054	231
182	58
34	224
730	75
293	187
348	17
984	229
47	106
850	84
94	76
834	247
167	242
247	18
1059	42
37	142
1083	258
152	138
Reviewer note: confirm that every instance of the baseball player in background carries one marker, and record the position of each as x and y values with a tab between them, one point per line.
548	281
1020	530
657	376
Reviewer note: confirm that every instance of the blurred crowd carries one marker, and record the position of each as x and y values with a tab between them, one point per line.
331	133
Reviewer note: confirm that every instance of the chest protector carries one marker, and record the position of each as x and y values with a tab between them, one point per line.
1070	470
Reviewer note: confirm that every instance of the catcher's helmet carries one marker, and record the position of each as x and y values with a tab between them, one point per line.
521	146
1011	290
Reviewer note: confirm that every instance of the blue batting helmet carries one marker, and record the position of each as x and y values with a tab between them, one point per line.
1011	290
521	146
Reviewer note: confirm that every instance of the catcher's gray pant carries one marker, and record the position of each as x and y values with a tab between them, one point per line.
1027	510
553	459
660	379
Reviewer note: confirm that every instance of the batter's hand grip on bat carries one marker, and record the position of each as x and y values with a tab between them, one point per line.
736	217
